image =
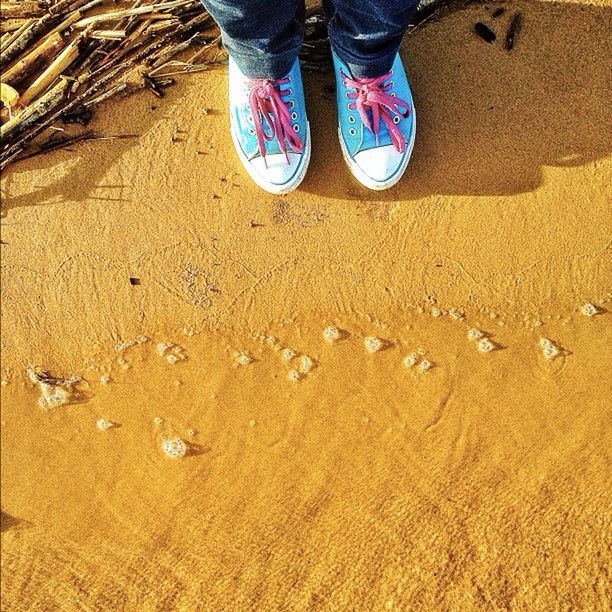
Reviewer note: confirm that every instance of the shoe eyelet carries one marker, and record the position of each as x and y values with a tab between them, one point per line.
393	94
294	115
352	131
351	119
296	127
391	71
288	92
291	103
348	94
396	119
251	131
391	83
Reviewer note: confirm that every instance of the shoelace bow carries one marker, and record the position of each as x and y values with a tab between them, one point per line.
372	94
267	106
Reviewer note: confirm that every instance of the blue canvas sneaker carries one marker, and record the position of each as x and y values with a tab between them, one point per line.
269	128
376	124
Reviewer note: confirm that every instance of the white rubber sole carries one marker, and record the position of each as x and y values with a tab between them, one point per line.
369	182
272	187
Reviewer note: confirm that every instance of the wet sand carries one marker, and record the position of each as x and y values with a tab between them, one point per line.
220	448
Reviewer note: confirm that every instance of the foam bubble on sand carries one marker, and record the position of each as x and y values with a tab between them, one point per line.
243	359
455	314
105	379
189	331
293	375
288	354
589	310
436	312
158	420
485	345
104	424
52	396
306	364
122	346
425	365
411	360
550	349
331	334
474	334
54	391
372	344
174	447
171	352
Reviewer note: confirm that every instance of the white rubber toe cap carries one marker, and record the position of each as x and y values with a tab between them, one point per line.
274	169
380	163
274	174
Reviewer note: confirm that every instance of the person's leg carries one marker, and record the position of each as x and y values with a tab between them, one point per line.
366	34
268	121
376	119
263	37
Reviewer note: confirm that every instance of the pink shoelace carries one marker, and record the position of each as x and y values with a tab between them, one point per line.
372	94
266	102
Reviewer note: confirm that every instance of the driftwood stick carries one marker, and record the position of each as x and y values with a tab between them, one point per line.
90	5
162	58
142	10
15	149
23	120
14	28
24	8
16	33
186	69
203	51
53	71
108	34
64	25
159	27
20	44
33	59
64	5
105	95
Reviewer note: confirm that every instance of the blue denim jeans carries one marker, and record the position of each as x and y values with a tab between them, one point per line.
264	36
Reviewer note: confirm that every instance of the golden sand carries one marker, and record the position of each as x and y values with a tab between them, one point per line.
232	441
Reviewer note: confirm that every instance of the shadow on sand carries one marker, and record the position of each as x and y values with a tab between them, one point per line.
488	120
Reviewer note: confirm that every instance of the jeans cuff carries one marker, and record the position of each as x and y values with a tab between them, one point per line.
263	65
369	69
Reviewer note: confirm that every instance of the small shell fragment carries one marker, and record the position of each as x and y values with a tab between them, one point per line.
293	375
243	359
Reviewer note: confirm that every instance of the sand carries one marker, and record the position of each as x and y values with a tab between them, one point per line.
220	451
